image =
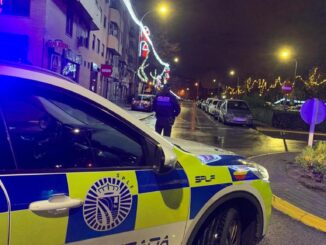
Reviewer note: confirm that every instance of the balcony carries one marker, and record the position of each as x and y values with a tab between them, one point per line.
115	16
113	44
90	12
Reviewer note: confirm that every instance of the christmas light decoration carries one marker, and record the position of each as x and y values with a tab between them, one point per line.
143	31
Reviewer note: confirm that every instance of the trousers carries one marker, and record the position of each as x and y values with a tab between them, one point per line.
164	125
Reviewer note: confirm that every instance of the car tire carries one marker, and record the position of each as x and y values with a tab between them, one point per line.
223	228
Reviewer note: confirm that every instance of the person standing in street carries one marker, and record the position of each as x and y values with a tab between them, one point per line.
167	108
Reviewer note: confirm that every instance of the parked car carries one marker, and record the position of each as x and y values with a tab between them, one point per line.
143	102
217	109
212	106
237	112
77	169
207	103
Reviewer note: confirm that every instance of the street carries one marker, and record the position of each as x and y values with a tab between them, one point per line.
194	124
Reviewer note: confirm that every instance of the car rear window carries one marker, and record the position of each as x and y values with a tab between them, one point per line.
238	105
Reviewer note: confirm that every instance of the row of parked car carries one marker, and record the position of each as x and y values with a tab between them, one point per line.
228	111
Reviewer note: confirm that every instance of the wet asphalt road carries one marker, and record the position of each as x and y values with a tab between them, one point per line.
194	124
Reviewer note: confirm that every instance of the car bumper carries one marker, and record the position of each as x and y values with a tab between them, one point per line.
235	120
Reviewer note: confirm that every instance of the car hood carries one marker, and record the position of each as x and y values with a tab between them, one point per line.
208	155
198	148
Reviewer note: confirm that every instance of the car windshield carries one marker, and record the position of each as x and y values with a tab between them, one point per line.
238	105
215	102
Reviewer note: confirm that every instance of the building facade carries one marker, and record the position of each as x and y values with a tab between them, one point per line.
74	38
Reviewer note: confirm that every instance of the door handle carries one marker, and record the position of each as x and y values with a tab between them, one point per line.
57	203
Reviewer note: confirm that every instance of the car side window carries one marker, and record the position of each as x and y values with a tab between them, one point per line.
53	130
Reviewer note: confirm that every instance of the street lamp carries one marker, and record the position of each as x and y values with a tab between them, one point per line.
232	73
197	85
285	54
163	9
176	60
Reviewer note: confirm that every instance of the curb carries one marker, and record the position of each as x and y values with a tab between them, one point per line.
262	129
147	116
299	214
293	211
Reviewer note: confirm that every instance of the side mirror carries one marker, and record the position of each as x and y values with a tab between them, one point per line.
164	163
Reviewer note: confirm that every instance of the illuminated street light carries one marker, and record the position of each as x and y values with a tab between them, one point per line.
232	73
176	60
214	80
163	9
188	89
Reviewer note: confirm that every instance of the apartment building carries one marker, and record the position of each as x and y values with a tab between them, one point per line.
74	38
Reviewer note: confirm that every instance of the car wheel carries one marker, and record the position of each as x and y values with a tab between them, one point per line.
223	229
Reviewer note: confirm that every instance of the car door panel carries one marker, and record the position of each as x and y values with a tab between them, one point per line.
137	205
4	216
36	228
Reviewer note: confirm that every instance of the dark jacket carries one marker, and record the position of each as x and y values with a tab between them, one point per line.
166	106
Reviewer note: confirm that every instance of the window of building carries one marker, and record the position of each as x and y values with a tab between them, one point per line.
115	4
104	21
98	45
16	7
69	20
93	42
114	30
102	50
53	129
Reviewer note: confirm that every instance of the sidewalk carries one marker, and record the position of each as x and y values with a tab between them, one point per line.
290	196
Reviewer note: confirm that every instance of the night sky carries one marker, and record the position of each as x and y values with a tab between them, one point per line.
217	35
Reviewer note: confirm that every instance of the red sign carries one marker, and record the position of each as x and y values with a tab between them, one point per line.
287	88
57	44
106	70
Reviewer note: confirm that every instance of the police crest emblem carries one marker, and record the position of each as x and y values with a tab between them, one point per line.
107	204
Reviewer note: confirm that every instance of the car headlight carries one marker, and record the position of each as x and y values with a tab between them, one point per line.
257	169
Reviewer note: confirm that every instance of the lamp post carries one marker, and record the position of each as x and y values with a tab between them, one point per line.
286	54
232	73
197	85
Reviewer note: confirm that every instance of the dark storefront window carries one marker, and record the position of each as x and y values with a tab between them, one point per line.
15	7
14	47
69	21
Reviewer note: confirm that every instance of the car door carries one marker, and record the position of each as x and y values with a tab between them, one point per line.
6	165
85	175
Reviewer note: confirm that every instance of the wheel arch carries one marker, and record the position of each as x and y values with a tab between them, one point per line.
235	199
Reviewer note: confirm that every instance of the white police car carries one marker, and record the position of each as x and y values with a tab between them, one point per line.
74	168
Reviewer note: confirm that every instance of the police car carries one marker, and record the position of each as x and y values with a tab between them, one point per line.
75	168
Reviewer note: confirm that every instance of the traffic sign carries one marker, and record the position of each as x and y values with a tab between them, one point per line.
307	110
287	88
313	112
106	70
